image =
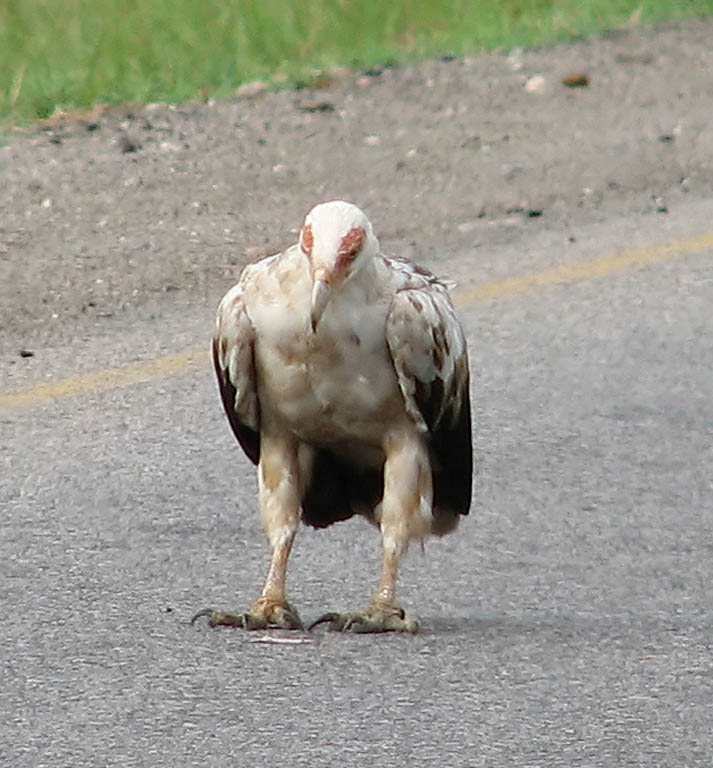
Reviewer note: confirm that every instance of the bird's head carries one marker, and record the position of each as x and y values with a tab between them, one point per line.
338	240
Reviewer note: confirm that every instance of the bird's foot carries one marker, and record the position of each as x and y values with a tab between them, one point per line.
264	614
375	618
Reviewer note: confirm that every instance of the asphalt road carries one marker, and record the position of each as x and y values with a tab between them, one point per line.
568	623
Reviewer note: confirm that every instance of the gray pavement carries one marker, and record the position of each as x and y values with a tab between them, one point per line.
567	623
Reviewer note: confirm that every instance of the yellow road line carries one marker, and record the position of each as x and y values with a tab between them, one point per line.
192	359
101	381
583	270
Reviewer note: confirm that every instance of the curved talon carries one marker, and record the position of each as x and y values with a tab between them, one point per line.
327	617
203	612
224	619
373	619
262	615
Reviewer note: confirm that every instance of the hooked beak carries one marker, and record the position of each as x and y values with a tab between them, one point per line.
321	294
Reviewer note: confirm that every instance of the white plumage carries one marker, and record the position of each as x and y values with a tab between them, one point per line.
344	374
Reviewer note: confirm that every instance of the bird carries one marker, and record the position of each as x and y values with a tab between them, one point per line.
344	375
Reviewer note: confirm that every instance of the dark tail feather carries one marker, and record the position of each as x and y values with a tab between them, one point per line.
338	490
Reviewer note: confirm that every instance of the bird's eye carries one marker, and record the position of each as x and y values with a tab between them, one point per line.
307	240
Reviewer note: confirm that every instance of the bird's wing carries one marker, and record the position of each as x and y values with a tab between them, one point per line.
430	357
233	357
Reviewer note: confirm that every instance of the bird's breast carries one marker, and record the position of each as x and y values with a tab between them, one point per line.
335	384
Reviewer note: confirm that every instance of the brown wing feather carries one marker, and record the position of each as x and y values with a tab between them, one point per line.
451	450
431	360
233	358
248	438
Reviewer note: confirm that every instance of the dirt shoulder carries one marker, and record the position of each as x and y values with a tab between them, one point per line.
141	207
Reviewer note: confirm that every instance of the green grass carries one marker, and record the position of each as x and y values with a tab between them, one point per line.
71	54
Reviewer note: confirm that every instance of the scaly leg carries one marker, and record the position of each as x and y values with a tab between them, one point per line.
405	514
281	468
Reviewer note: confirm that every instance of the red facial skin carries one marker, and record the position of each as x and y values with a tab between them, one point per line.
307	240
349	247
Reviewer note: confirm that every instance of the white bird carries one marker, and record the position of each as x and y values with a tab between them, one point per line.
344	375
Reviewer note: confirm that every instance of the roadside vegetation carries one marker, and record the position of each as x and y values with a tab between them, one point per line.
69	55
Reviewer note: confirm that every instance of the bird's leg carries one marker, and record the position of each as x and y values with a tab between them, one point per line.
405	514
383	614
272	605
280	492
386	591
